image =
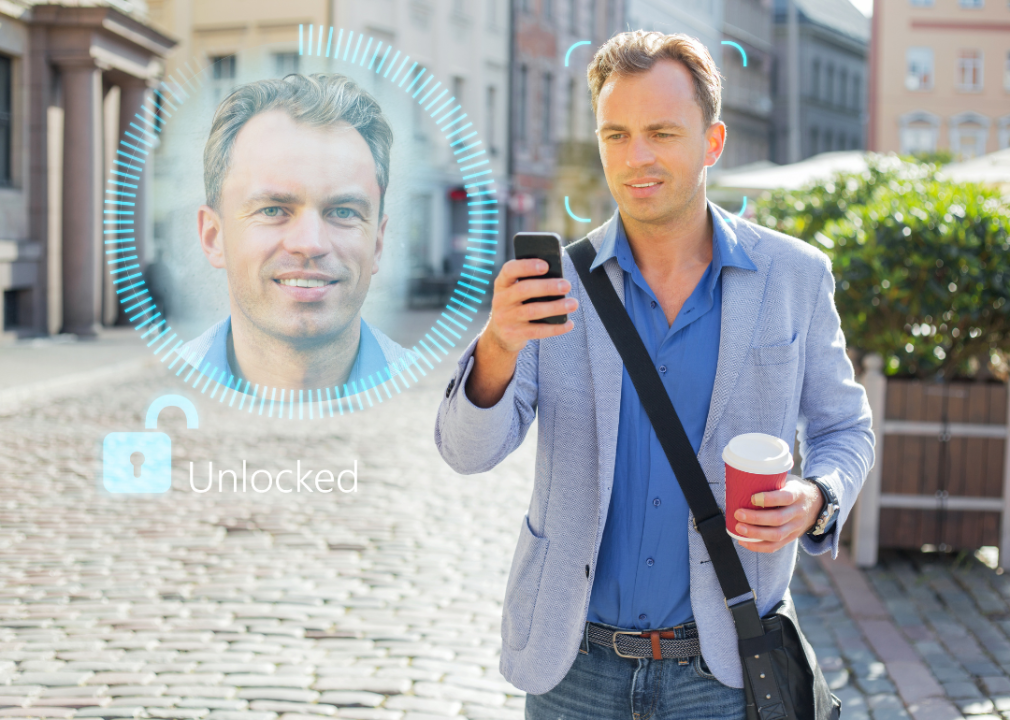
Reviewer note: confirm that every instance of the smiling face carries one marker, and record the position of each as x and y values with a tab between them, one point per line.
654	143
297	229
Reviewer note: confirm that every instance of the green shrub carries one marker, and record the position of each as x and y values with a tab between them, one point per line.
921	265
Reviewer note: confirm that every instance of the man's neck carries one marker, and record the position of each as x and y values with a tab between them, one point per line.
674	246
266	360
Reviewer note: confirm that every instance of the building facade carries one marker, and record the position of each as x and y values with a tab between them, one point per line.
833	70
747	34
72	79
941	77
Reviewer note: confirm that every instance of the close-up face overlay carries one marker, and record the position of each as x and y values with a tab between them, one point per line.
297	228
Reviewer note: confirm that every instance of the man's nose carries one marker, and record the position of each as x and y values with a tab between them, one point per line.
640	152
305	236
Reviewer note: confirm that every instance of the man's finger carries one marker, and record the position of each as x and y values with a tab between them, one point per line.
767	518
775	498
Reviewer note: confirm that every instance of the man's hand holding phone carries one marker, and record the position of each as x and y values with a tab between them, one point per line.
510	328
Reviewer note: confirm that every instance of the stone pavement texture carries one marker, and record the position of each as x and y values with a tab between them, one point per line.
384	603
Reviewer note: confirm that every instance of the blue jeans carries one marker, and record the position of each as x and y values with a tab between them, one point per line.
602	685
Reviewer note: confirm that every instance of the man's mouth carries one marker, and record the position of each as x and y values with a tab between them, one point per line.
643	185
304	282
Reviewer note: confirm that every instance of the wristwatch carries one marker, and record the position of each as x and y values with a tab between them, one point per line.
829	513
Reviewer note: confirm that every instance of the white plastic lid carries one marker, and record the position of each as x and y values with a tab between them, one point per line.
758	453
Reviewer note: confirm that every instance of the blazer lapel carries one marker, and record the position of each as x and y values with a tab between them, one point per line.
606	372
742	296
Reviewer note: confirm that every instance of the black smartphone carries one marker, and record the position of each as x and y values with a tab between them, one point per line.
546	247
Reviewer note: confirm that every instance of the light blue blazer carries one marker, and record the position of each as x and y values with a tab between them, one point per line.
782	367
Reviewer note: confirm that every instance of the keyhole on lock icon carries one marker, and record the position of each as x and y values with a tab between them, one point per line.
137	459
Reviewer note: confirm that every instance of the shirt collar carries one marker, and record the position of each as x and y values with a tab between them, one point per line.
727	251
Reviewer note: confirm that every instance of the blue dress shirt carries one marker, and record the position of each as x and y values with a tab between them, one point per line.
368	361
642	572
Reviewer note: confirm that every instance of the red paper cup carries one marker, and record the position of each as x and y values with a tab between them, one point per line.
755	463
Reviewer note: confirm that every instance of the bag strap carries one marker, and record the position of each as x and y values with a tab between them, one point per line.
708	517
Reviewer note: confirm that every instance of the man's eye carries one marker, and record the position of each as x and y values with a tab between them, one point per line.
271	211
344	213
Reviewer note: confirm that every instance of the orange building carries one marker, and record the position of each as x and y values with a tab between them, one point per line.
940	76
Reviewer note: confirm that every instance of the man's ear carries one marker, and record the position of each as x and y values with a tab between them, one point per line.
211	235
715	141
378	243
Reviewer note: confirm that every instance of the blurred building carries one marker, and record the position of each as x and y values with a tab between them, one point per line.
72	77
553	152
940	77
464	44
747	36
832	66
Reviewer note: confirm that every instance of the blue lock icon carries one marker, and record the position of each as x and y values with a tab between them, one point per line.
141	462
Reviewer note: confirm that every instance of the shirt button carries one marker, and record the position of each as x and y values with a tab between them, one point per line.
650	562
656	502
642	616
653	304
662	368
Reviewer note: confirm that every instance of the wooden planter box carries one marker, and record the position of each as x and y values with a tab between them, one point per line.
942	473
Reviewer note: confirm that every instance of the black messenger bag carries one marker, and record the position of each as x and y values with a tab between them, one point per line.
782	680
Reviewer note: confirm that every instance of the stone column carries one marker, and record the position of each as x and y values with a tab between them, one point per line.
82	197
133	93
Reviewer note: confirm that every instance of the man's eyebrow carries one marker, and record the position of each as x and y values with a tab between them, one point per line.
351	198
271	198
660	125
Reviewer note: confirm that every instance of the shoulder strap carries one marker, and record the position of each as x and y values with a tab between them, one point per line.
708	517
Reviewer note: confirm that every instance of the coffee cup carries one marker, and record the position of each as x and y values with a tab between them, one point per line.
755	463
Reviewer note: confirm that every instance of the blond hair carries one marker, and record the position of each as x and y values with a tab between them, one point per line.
318	100
636	52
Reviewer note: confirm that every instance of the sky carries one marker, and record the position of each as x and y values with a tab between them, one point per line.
865	6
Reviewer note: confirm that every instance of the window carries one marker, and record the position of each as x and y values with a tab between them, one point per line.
843	85
922	3
814	141
490	110
492	14
829	138
969	133
548	9
547	101
857	93
971	3
573	17
815	86
919	132
1004	132
286	63
417	120
969	70
919	61
522	102
223	67
6	138
458	90
1006	72
829	86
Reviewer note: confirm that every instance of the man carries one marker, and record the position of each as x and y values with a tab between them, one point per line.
741	324
296	171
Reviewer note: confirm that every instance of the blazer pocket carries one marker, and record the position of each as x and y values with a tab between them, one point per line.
776	354
523	586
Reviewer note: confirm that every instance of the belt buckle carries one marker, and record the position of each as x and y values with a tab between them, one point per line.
613	641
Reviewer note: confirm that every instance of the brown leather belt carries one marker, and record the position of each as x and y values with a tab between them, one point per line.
680	642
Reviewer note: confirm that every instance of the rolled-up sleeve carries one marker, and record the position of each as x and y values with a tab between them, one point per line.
836	439
472	439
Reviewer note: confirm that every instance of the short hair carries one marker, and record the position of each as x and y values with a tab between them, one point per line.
637	51
318	100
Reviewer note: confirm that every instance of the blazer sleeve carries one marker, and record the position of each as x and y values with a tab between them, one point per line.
836	439
473	439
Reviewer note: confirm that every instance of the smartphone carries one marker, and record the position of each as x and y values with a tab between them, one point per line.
547	247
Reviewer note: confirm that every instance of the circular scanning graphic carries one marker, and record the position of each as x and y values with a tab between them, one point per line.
382	63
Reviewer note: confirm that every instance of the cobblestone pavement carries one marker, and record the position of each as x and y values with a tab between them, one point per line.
384	603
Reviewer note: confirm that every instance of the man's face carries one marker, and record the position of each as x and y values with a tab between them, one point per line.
298	227
654	143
